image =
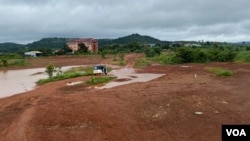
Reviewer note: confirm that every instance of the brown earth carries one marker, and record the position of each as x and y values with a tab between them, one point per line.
162	109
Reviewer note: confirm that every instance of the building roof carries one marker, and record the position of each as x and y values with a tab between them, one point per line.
80	40
37	52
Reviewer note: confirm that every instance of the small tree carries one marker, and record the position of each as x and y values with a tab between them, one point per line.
82	48
50	69
103	54
5	62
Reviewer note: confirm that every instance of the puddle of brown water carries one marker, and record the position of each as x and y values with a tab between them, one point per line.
18	81
130	75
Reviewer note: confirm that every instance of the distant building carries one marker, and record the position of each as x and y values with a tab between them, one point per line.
90	43
33	53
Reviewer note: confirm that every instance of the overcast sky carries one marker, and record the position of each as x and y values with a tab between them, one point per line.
25	21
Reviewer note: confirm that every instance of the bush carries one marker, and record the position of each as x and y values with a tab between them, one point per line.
152	51
167	59
142	62
243	57
50	69
5	62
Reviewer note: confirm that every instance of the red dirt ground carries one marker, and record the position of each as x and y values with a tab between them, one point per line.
162	109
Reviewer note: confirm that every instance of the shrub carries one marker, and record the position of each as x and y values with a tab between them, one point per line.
167	59
5	62
50	69
243	57
142	62
152	51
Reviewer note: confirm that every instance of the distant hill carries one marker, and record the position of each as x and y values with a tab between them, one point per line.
129	39
51	43
45	43
10	47
57	43
242	43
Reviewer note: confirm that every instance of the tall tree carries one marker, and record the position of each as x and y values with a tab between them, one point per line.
83	48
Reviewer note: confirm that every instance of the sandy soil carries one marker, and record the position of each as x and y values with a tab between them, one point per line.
162	109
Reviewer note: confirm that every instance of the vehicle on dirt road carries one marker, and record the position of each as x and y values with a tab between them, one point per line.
100	69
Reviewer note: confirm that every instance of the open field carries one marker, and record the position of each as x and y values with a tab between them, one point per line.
161	109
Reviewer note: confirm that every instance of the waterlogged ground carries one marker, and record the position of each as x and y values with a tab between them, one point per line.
186	104
19	81
127	76
22	80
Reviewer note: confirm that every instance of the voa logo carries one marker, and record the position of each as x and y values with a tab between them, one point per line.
236	132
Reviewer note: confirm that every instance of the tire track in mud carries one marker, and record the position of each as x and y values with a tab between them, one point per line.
17	131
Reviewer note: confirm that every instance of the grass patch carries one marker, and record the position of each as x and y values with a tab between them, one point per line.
99	80
142	62
72	73
87	70
13	62
169	58
60	77
119	62
220	71
243	57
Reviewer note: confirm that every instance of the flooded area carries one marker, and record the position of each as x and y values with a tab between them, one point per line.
127	76
17	81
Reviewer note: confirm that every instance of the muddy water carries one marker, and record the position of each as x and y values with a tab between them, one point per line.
127	76
18	81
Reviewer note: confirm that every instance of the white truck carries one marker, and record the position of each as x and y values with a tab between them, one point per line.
100	69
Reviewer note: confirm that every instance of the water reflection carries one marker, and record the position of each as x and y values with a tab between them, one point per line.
18	81
127	76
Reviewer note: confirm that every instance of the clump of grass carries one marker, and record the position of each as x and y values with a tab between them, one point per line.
119	62
98	80
13	62
72	73
59	77
220	71
87	70
142	62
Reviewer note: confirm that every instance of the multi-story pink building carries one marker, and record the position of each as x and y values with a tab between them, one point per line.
90	43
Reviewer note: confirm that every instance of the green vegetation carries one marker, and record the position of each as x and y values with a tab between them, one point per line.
220	71
243	57
142	62
86	70
98	80
74	72
163	52
60	77
166	58
10	60
151	52
120	61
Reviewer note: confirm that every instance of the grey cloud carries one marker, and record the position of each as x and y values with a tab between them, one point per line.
26	20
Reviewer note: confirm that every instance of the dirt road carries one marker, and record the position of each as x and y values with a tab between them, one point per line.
162	109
